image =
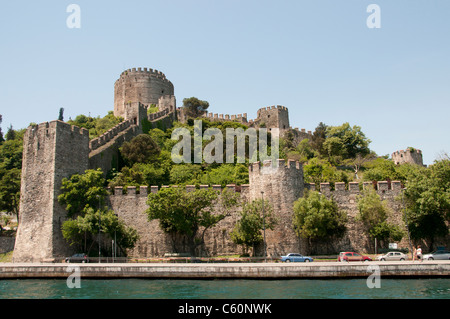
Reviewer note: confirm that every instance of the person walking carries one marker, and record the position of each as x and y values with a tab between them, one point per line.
419	253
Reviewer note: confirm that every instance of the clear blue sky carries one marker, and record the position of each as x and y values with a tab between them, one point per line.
316	57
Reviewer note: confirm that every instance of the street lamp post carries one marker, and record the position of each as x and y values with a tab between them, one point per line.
264	224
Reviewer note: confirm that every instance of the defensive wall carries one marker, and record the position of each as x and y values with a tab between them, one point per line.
281	186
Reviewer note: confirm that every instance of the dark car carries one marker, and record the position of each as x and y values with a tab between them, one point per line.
77	258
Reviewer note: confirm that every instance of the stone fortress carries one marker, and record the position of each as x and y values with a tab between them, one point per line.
56	150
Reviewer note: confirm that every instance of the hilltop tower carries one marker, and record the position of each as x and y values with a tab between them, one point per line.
141	85
273	117
51	152
410	155
282	186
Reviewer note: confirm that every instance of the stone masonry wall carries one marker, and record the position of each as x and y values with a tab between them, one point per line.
140	85
153	242
52	151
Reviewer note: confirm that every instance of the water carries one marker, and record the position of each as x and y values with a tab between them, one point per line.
436	288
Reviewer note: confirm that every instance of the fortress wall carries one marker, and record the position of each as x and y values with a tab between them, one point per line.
52	151
106	156
109	135
242	118
154	243
131	206
167	102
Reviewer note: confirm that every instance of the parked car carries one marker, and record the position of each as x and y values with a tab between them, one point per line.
78	258
352	256
393	255
438	255
293	257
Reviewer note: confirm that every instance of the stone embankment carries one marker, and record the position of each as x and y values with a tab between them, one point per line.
230	271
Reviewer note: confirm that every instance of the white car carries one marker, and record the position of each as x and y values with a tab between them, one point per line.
392	255
438	255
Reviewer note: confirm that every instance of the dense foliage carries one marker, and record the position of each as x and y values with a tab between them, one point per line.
189	214
248	231
83	197
317	217
374	213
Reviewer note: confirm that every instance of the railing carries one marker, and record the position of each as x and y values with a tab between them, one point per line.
176	260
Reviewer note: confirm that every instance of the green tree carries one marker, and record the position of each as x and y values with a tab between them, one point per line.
1	133
10	134
318	138
10	173
82	232
248	230
321	171
427	197
61	114
194	106
10	190
82	191
141	149
225	174
185	214
318	218
83	197
344	142
185	174
374	212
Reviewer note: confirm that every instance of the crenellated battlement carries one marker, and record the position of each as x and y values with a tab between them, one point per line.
39	128
143	190
275	167
141	85
126	75
158	115
226	117
143	71
410	155
109	135
273	107
357	187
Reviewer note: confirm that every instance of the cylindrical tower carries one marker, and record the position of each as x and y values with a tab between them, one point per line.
140	85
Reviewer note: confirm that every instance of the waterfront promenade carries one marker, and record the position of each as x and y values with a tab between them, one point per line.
400	269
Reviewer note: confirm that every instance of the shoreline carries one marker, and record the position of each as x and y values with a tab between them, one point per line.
321	270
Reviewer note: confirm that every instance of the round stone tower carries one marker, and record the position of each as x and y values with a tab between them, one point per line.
410	155
141	85
282	185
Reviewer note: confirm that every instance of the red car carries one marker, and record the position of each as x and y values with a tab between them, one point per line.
351	256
